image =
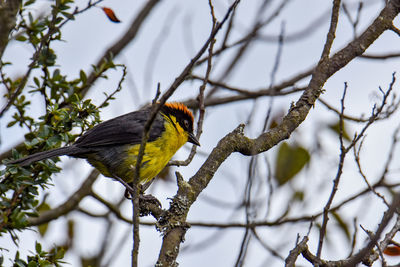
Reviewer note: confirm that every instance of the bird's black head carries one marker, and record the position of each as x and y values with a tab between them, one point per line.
183	116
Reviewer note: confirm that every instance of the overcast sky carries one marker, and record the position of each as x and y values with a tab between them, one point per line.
181	28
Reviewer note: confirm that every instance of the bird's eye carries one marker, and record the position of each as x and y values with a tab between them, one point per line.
186	124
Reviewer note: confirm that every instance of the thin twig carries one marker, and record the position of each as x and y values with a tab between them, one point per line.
119	87
201	94
336	181
70	204
360	171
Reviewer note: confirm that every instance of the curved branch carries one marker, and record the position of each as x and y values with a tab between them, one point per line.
70	204
366	255
249	94
235	141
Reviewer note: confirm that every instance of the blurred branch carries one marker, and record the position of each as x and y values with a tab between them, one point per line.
120	44
346	117
276	90
353	22
249	94
376	111
172	223
110	206
366	255
287	220
236	141
248	41
248	38
157	46
271	250
301	34
158	103
70	204
201	94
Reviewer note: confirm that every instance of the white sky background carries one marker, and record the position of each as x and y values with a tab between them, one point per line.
91	33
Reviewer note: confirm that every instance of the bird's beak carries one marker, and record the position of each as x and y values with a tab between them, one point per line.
192	139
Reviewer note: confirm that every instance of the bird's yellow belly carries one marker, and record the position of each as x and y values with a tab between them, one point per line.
157	154
121	161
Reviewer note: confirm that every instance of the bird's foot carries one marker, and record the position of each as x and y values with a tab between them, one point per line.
128	194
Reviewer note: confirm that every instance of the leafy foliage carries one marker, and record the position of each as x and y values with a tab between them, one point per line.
41	258
67	116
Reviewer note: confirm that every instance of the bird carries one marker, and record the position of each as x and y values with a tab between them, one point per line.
112	146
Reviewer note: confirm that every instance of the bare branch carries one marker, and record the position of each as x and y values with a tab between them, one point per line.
237	142
70	204
120	44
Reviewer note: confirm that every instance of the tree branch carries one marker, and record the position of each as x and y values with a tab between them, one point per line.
120	44
174	231
8	13
70	204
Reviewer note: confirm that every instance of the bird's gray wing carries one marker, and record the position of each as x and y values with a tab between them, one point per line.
125	129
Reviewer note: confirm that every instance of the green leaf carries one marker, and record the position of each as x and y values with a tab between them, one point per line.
71	229
60	252
21	38
19	263
44	131
43	227
11	123
29	2
298	196
74	98
53	141
289	162
32	143
82	76
47	57
57	75
36	81
335	127
45	263
342	224
38	248
86	262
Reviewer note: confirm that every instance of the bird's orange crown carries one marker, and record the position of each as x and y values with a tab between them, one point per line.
179	106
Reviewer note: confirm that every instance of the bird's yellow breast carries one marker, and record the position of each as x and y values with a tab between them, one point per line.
158	152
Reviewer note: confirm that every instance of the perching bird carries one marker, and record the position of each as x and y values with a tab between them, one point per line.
112	146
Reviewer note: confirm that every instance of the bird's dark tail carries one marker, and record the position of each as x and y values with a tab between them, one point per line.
67	150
